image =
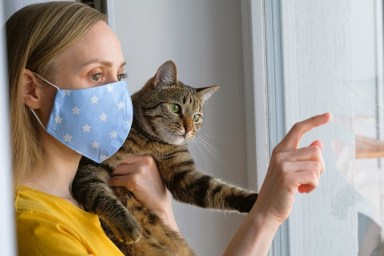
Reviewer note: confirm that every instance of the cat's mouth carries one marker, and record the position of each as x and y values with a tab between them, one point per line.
175	137
188	136
179	139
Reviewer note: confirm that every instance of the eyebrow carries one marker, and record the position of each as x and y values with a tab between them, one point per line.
105	63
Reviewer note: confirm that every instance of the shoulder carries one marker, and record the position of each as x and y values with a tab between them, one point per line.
49	225
34	208
32	202
41	228
35	202
36	205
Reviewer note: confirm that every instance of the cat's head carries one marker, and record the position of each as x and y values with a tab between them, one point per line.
169	110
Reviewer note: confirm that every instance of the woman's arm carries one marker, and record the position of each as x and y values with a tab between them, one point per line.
290	170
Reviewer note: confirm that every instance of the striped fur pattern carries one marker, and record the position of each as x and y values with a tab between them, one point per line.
167	116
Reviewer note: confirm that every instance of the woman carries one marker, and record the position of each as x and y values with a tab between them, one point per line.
63	45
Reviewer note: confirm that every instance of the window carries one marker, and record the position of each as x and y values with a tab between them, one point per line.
328	56
100	5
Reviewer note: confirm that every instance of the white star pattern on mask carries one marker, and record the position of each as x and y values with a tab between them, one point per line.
113	135
94	99
86	128
68	138
121	105
76	111
67	93
95	144
103	117
58	120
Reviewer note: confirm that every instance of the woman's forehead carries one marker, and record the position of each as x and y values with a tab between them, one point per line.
99	45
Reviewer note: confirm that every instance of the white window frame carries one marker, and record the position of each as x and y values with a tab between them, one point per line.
269	110
261	75
255	91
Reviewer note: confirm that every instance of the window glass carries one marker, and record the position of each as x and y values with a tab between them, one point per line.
333	62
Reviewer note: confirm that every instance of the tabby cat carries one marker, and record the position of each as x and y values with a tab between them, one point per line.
167	115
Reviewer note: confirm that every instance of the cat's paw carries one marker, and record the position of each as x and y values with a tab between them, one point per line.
246	203
127	232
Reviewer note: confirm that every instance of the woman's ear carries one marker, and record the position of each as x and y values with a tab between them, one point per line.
31	92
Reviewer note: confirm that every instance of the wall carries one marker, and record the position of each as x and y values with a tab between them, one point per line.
11	6
204	39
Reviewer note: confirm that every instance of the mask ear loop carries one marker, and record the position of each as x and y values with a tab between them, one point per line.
37	118
45	80
33	111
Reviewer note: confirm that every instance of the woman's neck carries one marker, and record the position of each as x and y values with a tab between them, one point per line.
56	172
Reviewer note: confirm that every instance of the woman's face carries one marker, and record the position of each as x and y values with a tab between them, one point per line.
95	59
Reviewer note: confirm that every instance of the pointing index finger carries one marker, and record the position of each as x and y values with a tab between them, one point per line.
293	137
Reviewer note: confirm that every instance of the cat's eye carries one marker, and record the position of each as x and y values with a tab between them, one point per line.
174	108
196	117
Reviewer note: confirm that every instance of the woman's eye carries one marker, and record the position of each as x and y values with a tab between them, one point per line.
196	118
96	77
174	108
122	76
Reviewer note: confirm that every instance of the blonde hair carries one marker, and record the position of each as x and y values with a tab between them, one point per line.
36	34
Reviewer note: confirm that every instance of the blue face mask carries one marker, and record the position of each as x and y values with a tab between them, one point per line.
93	121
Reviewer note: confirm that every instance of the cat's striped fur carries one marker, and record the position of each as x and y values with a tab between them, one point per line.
167	114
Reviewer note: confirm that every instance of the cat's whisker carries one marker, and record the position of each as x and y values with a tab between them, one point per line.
204	135
210	149
203	149
205	138
197	150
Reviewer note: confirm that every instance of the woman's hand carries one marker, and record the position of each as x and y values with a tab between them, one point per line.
140	175
291	169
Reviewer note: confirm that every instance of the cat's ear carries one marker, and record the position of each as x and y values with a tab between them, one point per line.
206	92
166	74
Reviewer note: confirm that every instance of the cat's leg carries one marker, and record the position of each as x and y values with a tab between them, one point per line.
223	196
191	186
90	188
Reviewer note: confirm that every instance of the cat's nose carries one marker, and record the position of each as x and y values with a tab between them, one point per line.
188	125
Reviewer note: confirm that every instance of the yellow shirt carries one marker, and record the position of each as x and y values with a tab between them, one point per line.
49	225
